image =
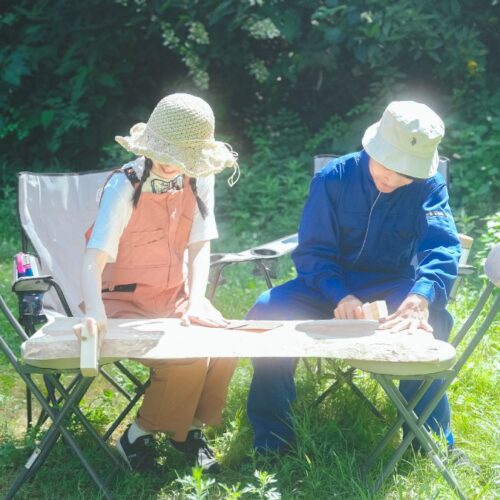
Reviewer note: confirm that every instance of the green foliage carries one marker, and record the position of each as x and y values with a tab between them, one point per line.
197	486
9	230
268	199
66	74
72	74
287	80
333	439
472	146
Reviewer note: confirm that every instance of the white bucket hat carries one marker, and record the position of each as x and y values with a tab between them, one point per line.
180	132
406	138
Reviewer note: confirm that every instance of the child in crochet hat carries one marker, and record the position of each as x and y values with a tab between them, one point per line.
153	210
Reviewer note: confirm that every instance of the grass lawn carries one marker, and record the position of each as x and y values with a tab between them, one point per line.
333	439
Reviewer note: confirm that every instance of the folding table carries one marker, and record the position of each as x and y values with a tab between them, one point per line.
55	348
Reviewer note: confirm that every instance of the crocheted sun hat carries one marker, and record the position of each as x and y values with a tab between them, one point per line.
180	133
406	139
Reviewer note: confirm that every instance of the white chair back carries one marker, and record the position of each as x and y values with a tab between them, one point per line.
55	210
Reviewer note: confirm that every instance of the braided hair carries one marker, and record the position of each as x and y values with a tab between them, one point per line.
148	165
201	206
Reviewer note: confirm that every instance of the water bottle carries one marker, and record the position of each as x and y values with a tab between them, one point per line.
30	303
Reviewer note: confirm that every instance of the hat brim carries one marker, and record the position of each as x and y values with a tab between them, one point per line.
393	158
196	159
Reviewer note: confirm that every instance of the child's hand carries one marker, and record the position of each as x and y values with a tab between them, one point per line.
203	314
91	319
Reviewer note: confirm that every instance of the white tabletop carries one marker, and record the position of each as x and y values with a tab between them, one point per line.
357	341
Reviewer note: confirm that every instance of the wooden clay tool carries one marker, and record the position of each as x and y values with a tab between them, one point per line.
375	310
89	349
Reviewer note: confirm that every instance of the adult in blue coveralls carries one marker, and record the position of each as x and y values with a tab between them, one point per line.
367	215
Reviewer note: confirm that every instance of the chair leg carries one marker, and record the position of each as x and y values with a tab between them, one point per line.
83	420
346	377
326	393
122	415
214	282
319	367
42	417
397	425
140	388
129	374
41	452
265	272
424	437
29	410
115	384
132	402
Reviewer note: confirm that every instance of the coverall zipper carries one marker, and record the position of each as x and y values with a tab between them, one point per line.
367	228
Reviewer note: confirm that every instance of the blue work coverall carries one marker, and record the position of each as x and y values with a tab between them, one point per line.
356	240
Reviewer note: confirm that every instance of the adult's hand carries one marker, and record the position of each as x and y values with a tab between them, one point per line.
412	314
203	313
348	308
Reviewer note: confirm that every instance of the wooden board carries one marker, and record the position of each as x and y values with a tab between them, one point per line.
358	340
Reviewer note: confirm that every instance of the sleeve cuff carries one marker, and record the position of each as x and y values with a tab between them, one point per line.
96	245
333	289
426	289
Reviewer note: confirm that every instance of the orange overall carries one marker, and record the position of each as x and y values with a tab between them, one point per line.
151	257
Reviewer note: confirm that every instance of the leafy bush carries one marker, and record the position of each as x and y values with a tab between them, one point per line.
74	74
268	199
9	235
472	146
287	81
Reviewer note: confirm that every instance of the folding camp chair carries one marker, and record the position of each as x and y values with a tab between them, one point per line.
54	211
57	411
488	305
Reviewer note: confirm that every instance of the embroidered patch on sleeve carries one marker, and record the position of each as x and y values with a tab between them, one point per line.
436	213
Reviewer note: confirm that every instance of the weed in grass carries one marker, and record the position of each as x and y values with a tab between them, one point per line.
196	486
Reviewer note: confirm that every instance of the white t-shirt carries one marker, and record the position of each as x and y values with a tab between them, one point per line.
116	208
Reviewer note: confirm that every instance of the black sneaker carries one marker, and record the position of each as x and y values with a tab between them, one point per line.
196	448
139	455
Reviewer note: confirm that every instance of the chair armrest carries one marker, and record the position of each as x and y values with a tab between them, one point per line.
41	284
466	270
267	251
33	284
